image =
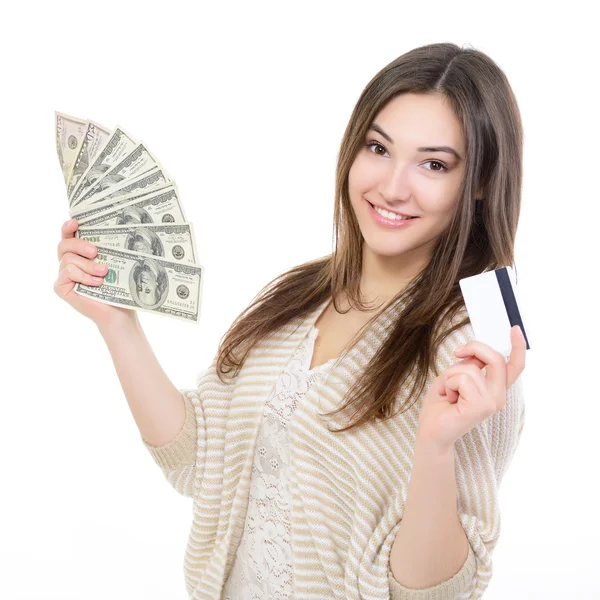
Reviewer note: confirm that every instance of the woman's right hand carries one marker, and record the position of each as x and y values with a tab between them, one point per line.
77	266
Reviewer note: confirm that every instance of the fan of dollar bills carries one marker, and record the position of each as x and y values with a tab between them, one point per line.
128	207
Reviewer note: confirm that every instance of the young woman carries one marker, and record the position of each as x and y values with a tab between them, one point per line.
349	438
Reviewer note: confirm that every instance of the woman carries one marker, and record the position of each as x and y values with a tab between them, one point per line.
338	446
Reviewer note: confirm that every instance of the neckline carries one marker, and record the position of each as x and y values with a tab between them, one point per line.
313	333
348	363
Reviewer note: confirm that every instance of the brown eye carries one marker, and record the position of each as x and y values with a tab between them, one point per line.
442	168
377	145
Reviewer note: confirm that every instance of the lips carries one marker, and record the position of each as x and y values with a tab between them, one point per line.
373	206
386	222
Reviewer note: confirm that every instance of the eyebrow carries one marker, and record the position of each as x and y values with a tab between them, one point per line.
447	149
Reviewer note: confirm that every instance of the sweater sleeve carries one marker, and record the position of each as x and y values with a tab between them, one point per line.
179	458
482	458
458	587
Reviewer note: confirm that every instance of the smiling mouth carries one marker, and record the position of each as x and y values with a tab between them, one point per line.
376	207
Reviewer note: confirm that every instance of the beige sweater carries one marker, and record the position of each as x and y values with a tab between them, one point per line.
348	489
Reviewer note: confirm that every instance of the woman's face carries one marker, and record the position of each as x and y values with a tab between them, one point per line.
394	174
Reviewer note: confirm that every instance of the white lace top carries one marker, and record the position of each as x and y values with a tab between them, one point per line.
263	565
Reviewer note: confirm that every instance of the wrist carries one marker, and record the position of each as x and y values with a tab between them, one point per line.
119	324
433	449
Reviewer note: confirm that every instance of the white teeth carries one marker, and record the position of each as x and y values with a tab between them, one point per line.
388	215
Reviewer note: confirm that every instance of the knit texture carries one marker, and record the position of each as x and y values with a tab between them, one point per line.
263	567
348	489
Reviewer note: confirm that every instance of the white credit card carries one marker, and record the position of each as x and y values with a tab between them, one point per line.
491	301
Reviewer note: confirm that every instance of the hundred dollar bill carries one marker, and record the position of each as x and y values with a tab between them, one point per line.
160	206
119	145
88	210
95	137
135	163
148	283
70	132
173	242
146	182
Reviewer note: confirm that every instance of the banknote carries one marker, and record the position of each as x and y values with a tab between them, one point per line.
159	206
148	283
119	145
139	161
146	182
173	242
87	210
128	206
70	132
95	137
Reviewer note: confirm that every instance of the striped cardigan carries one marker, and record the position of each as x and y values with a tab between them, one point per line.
348	489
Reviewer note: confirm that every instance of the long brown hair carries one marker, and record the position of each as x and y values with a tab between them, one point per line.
480	236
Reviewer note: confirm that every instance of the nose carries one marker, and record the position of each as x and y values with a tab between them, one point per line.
395	185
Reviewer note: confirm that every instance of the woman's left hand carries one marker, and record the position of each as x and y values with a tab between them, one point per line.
462	396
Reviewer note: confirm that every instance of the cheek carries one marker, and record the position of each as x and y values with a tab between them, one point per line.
442	204
353	176
353	186
362	173
436	197
435	204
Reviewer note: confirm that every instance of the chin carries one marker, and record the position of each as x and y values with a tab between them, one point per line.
387	250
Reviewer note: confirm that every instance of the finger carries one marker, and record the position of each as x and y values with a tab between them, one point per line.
470	360
72	273
516	360
470	368
85	264
495	371
458	368
465	386
69	228
77	246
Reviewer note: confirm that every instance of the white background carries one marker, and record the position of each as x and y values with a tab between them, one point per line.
245	104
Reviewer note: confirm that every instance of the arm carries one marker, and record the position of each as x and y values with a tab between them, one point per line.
480	459
479	462
163	414
156	404
431	545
